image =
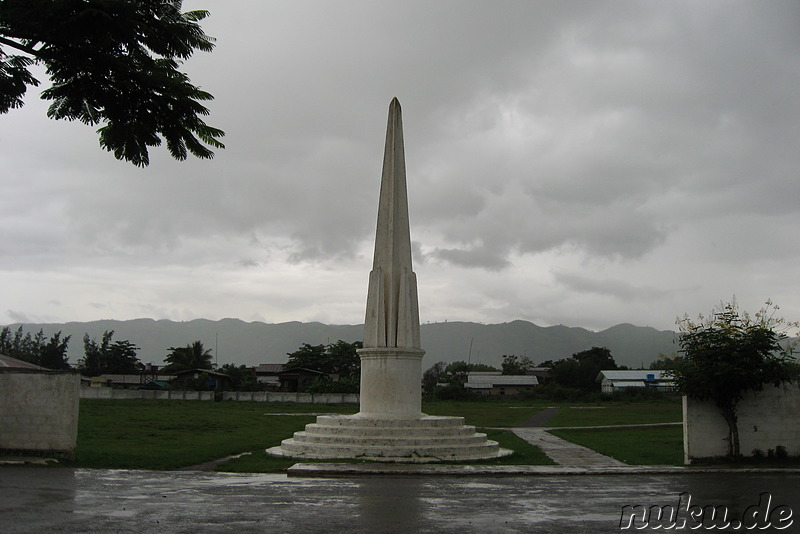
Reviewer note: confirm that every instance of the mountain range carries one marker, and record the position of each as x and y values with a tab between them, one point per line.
252	343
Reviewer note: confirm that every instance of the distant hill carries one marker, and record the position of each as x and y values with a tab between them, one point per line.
246	343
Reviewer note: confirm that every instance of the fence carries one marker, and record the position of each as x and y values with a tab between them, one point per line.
253	396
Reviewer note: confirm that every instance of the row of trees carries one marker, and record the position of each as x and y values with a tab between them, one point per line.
578	372
104	357
338	361
35	349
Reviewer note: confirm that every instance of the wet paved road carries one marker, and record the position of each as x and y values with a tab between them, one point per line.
61	500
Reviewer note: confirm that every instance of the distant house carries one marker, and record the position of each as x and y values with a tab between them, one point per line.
611	381
132	381
278	377
296	378
7	363
541	373
215	381
267	373
496	383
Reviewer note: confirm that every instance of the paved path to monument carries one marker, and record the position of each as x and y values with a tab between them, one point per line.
561	451
564	452
64	500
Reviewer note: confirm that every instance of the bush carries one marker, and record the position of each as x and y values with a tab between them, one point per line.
557	392
638	394
456	392
324	384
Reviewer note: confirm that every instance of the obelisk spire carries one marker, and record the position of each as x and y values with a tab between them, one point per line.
392	318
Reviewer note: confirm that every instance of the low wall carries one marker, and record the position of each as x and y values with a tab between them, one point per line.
39	413
256	396
767	418
118	394
271	396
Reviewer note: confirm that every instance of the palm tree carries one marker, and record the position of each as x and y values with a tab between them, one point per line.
192	356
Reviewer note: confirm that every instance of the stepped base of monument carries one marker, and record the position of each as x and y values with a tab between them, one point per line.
423	439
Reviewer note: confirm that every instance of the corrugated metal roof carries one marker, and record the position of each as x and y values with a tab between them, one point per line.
632	375
269	368
7	362
481	381
133	379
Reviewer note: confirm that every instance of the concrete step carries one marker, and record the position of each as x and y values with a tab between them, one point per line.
292	447
428	421
334	430
390	441
387	439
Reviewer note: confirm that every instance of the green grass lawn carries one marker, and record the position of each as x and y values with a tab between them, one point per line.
144	434
153	434
486	414
634	446
646	412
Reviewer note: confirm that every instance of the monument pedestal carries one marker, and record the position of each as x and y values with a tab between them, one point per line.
390	426
424	439
390	383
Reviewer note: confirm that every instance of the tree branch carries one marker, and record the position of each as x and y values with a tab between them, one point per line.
27	49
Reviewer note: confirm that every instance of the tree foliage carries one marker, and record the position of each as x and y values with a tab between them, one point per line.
432	377
117	358
581	369
192	356
51	354
516	365
243	378
729	353
339	358
664	362
114	63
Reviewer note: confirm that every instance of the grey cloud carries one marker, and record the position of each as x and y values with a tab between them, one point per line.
471	257
630	134
620	289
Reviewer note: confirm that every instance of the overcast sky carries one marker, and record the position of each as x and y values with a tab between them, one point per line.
578	163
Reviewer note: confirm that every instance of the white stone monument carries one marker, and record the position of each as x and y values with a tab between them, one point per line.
390	425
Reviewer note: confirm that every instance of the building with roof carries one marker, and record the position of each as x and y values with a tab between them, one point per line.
38	409
206	378
279	377
496	383
131	381
267	374
8	363
616	380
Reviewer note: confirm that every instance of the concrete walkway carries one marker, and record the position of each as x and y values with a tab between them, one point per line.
563	452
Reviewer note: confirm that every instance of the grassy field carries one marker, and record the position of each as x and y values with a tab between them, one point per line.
640	413
485	414
634	446
142	434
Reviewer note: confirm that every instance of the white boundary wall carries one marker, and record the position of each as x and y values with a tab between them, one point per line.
272	396
767	418
117	394
256	396
39	412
